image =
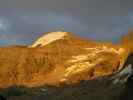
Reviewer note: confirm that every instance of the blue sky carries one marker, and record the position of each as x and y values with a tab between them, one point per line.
22	21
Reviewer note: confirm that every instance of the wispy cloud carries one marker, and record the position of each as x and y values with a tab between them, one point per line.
4	24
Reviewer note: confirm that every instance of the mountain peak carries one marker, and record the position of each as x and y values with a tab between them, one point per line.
63	59
49	38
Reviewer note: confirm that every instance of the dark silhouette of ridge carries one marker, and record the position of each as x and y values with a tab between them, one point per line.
128	92
2	98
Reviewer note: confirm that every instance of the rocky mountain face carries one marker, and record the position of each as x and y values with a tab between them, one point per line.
62	66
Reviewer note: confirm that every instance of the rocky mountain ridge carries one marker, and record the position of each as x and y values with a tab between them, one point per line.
66	63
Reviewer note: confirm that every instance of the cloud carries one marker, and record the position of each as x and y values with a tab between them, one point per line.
4	24
17	38
22	20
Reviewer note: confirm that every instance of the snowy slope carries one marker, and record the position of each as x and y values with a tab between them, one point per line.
49	38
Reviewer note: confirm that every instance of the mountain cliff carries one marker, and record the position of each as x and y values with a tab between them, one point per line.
63	59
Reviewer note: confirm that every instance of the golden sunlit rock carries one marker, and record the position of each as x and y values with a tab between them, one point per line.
60	58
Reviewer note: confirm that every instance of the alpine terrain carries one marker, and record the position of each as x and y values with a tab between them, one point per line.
62	66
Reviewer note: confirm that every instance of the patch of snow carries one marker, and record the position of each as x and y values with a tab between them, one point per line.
78	67
127	70
123	75
81	64
44	90
63	80
49	38
106	49
85	62
78	58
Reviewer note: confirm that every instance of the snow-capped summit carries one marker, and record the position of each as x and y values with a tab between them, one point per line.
49	38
